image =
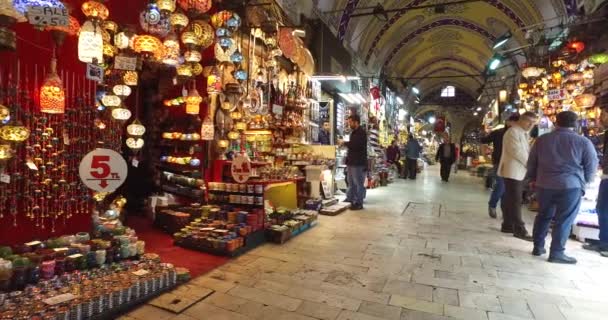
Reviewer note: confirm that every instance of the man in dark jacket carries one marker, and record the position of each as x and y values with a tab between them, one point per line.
356	163
393	155
495	138
446	156
412	153
324	134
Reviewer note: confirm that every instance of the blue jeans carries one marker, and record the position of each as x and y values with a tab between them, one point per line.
497	193
563	205
356	184
602	213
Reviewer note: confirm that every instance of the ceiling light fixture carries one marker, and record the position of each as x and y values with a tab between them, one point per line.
348	98
399	100
495	62
502	40
415	90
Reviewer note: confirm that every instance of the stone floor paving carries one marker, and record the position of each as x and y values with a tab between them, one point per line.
421	250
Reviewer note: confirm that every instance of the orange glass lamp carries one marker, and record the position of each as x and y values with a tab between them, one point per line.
95	10
166	6
189	38
110	26
193	102
178	20
586	100
146	44
14	133
130	78
109	50
197	69
577	46
197	6
90	44
184	70
52	95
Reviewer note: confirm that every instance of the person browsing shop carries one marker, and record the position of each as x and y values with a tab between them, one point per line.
561	164
512	168
393	155
356	162
495	138
446	156
412	153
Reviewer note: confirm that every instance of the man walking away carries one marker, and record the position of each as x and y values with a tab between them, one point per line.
393	155
561	164
413	150
495	138
356	163
446	156
602	196
512	168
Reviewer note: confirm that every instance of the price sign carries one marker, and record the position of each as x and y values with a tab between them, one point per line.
94	72
241	168
125	63
43	16
277	109
103	170
556	94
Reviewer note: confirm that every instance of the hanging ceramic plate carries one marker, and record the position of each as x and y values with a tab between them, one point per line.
287	42
299	58
309	65
224	55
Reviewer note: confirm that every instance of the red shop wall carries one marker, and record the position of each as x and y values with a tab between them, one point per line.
34	50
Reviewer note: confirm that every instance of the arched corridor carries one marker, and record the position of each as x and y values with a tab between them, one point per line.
421	250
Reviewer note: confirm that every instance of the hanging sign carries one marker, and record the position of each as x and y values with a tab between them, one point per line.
556	94
94	72
48	16
103	170
241	168
125	63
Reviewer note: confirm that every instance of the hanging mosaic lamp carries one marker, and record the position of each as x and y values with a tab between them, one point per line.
110	26
146	44
214	81
109	51
90	44
152	21
5	114
192	56
130	78
236	57
219	19
196	6
121	114
172	50
204	33
6	152
240	75
166	6
178	20
135	144
193	102
14	133
234	22
236	115
110	100
586	100
184	70
599	58
136	129
189	38
233	135
123	40
197	69
11	13
531	72
241	126
52	94
95	10
577	46
122	90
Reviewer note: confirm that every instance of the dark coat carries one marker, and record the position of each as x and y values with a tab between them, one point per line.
357	148
439	157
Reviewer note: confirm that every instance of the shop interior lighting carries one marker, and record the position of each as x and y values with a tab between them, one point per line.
299	33
475	113
415	90
432	120
399	100
347	98
478	108
495	62
359	97
502	40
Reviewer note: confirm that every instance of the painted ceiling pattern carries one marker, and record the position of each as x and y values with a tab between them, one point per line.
458	37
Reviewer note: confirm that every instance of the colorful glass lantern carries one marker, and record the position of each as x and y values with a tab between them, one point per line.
220	18
223	143
135	144
22	5
110	100
233	135
197	69
184	70
577	46
136	129
6	152
241	126
226	104
523	85
599	58
5	114
95	10
586	100
204	33
236	57
171	50
197	6
178	20
146	44
207	129
531	72
110	26
109	50
121	90
90	44
193	102
121	113
52	95
15	134
557	77
166	6
240	75
192	56
10	12
214	82
578	76
130	78
189	38
123	40
236	115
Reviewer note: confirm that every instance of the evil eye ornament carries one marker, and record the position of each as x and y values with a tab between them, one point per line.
225	42
236	57
223	32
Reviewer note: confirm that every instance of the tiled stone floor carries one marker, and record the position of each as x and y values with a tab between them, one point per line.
441	258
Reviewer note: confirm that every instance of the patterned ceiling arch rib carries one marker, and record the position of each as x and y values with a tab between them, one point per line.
452	59
350	7
438	23
496	3
444	69
433	89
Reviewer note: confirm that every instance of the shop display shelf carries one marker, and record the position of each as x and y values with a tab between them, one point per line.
252	241
184	170
173	189
233	192
121	310
282	237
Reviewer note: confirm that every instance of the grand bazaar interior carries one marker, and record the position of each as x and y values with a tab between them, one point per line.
303	159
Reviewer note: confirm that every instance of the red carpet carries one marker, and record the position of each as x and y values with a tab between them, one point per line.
161	243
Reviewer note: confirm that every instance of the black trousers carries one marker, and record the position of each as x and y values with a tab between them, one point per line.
446	167
511	206
398	165
412	168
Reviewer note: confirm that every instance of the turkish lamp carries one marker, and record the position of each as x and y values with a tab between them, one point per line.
95	10
207	129
109	50
196	7
233	135
205	34
16	133
110	26
240	75
197	69
193	102
6	152
236	115
123	40
136	129
599	58
52	94
178	21
121	114
241	126
531	72
184	71
226	104
110	100
166	6
90	44
236	57
146	44
134	143
225	42
189	39
5	114
223	143
192	56
122	90
586	100
130	78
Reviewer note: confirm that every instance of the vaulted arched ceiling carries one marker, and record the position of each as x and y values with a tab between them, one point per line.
424	42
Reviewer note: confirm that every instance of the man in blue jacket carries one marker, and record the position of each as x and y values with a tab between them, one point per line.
356	163
560	165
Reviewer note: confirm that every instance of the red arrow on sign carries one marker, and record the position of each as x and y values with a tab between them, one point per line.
103	183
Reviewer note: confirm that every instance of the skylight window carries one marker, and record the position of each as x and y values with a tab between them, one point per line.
448	92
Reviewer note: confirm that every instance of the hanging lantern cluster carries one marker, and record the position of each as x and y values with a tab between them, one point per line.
135	132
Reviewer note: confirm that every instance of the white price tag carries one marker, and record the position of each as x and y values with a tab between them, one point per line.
43	16
135	163
66	139
103	170
75	256
5	178
30	164
125	63
94	72
59	299
33	243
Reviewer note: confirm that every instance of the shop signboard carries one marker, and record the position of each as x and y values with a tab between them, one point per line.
241	168
103	170
557	94
41	15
